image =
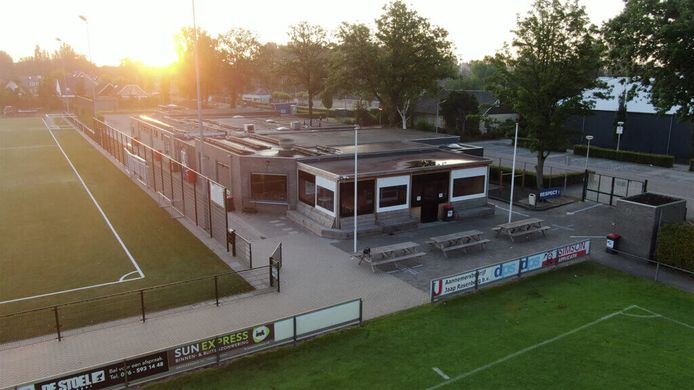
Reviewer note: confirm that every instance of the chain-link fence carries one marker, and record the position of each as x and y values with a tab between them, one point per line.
188	193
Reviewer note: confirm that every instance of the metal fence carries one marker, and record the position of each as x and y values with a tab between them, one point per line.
607	189
500	174
136	370
185	191
132	304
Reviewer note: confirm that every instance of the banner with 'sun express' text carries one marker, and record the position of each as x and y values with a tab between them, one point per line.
454	284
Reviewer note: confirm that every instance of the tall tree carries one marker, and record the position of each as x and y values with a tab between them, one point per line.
398	62
6	66
652	41
556	57
306	61
238	49
456	108
208	59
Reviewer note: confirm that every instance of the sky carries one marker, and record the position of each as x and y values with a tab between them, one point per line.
144	30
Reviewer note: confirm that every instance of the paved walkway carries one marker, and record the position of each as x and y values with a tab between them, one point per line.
314	274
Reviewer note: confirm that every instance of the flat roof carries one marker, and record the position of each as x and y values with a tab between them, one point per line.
345	137
394	163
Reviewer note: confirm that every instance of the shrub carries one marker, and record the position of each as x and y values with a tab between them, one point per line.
675	246
661	160
424	125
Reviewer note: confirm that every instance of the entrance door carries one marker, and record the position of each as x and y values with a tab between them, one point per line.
430	205
428	191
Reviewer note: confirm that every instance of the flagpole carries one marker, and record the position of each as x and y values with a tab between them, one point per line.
356	153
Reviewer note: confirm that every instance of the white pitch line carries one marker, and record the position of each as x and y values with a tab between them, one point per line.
530	348
125	277
666	317
584	209
71	290
441	373
84	185
514	212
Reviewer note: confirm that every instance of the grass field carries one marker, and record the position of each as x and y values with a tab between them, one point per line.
54	238
574	328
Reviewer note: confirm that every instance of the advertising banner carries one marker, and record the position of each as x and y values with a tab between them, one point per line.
498	272
549	193
107	376
454	284
241	340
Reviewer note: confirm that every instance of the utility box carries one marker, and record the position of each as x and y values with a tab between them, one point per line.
639	217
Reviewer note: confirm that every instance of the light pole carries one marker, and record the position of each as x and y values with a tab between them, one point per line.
197	87
620	130
513	174
589	138
356	153
89	48
438	121
67	100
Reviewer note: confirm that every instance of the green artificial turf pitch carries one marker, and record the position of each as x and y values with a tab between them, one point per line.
566	329
53	238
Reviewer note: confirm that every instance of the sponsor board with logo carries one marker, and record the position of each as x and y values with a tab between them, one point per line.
107	376
454	284
238	341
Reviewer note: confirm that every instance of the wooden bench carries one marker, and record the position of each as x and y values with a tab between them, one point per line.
523	227
389	254
460	240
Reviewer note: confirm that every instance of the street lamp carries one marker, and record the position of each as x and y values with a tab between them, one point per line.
589	138
197	87
620	130
438	121
67	101
513	174
89	48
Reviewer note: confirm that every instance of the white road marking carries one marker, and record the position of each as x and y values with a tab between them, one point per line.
514	212
530	348
587	236
584	209
103	215
567	227
441	373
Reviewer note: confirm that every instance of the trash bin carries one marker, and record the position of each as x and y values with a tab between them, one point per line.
532	198
448	212
612	240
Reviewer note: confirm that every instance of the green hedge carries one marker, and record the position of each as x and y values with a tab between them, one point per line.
676	246
661	160
554	180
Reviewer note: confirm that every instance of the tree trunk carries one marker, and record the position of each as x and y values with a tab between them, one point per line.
539	169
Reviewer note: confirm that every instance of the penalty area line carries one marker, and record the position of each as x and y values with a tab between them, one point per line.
103	214
530	348
121	280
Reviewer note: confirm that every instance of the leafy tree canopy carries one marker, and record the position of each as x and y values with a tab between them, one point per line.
653	43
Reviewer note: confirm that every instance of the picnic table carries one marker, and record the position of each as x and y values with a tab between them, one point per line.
459	240
389	253
523	227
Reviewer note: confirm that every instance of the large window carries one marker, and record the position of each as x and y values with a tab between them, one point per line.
468	186
307	188
269	187
392	196
326	199
365	196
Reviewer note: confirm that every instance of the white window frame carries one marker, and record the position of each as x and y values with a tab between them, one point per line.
470	172
328	185
383	182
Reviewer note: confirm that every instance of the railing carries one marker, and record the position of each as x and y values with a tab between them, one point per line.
138	304
212	350
607	189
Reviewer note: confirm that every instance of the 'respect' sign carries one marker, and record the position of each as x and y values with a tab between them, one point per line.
549	193
462	282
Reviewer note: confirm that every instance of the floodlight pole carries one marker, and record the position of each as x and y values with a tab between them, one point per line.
197	87
89	50
513	174
356	153
67	100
